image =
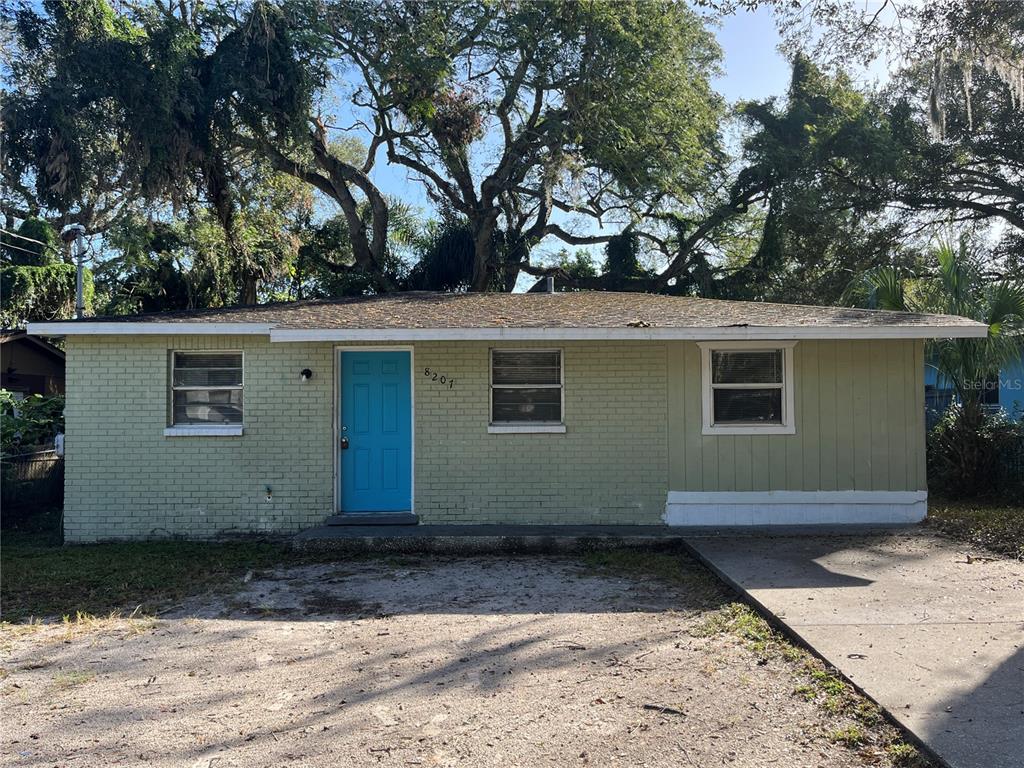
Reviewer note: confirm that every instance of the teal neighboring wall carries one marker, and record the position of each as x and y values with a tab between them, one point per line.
1011	389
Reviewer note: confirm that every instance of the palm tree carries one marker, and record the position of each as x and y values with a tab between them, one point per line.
965	446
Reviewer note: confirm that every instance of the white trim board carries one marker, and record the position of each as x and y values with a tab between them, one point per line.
203	430
774	333
149	329
739	333
525	429
766	508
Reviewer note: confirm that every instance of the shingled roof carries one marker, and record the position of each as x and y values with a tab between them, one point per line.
422	315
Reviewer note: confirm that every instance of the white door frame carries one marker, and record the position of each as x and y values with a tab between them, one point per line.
336	407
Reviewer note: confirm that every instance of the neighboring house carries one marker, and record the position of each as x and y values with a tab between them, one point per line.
29	365
494	408
1005	391
1011	388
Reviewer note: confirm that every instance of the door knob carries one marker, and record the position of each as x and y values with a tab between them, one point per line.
344	443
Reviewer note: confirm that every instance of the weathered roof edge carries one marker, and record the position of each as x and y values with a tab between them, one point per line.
568	316
695	333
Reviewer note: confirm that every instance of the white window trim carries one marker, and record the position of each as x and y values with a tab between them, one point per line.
202	430
523	427
788	425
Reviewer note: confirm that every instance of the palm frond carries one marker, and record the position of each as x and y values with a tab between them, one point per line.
879	288
1005	308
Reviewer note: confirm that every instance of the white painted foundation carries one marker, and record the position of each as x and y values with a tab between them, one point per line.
754	508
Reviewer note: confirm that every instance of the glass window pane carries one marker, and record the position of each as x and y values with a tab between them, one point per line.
208	360
208	377
205	369
748	406
526	367
746	367
528	405
203	406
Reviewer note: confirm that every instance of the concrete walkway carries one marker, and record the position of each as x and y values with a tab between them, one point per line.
934	636
470	539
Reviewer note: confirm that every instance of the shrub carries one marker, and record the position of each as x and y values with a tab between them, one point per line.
971	453
29	423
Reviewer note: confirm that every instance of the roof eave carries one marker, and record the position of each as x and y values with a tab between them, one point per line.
741	333
127	328
745	332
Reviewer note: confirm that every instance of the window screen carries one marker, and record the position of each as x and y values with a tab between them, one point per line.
746	386
206	388
526	386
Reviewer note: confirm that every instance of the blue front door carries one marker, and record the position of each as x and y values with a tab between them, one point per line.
376	432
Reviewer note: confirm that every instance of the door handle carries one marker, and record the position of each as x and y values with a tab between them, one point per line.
344	443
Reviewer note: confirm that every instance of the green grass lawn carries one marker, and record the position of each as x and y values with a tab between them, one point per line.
40	578
998	527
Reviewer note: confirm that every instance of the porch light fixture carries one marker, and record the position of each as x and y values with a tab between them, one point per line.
305	374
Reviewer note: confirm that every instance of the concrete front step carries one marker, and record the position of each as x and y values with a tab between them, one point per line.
370	520
471	539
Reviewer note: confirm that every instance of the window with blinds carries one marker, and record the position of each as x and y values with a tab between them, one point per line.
747	386
526	386
206	388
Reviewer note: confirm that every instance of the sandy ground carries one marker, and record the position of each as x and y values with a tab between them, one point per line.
528	661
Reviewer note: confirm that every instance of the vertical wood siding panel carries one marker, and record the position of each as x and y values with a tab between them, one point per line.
694	419
727	462
862	394
677	427
760	479
846	478
901	466
829	408
860	425
879	404
744	462
794	443
811	444
777	460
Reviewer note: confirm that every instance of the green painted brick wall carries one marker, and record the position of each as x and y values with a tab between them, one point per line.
124	479
609	467
632	412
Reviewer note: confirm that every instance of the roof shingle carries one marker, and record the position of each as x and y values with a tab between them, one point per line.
423	310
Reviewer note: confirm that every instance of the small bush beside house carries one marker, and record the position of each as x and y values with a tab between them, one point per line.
976	455
31	471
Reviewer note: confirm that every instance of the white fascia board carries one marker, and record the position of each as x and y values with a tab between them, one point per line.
148	329
773	333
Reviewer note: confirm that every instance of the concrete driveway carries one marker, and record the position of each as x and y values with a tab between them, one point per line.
933	634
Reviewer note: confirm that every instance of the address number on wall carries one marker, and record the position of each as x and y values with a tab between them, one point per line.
440	378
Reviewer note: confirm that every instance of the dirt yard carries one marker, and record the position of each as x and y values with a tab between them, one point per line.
524	661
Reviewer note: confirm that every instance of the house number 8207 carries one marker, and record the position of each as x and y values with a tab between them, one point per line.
439	378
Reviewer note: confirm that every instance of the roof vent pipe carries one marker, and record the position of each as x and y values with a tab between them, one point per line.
549	284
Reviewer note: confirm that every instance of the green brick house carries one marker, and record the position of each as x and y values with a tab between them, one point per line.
537	408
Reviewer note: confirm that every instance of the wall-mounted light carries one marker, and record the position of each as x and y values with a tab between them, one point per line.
270	494
305	374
